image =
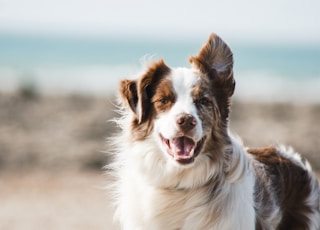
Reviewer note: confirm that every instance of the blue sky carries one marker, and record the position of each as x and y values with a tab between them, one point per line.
275	21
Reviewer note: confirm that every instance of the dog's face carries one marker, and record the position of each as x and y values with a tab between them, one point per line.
185	110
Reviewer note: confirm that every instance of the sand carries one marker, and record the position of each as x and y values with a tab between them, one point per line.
51	154
53	201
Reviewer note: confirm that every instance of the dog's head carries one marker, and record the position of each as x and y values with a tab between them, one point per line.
185	109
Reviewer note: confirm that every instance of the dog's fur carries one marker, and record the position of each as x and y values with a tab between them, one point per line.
178	167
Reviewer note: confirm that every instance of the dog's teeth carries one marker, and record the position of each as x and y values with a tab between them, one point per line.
192	152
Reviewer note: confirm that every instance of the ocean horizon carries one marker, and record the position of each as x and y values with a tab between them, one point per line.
263	72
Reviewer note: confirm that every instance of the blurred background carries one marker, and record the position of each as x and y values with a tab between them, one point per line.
61	61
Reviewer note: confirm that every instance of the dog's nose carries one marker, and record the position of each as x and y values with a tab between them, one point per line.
186	122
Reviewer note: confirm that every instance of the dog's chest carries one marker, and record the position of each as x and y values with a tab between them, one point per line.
152	208
142	206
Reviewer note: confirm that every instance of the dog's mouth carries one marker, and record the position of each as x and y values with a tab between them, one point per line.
183	149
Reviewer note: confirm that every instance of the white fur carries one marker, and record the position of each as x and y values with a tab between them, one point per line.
146	205
183	80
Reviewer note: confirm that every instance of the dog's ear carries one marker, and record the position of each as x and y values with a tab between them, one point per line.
215	59
137	94
129	94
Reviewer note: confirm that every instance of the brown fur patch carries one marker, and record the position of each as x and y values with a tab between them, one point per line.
210	115
164	96
147	86
128	93
291	186
142	124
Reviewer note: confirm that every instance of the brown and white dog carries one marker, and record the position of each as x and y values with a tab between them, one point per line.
178	167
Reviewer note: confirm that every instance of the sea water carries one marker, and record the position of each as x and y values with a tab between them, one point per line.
55	65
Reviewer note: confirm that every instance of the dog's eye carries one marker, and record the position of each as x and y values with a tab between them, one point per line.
163	100
204	101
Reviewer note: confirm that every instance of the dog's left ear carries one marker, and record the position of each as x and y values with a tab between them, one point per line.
215	59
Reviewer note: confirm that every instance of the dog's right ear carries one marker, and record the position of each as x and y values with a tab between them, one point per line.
215	59
137	94
129	94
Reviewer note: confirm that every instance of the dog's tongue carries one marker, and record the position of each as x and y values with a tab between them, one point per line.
183	147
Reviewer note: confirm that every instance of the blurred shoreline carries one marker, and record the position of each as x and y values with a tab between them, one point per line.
60	65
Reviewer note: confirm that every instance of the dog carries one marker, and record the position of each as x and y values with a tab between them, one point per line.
177	166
